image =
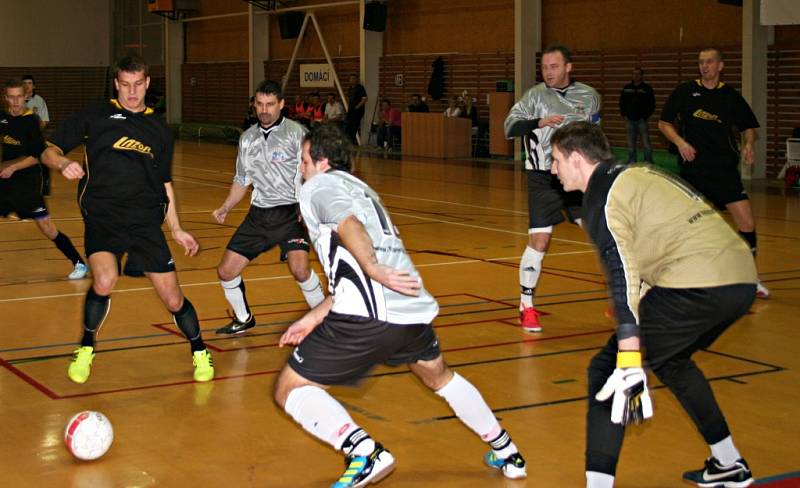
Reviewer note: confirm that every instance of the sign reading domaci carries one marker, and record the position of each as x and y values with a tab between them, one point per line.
316	75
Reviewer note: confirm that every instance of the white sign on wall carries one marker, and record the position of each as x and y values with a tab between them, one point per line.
316	75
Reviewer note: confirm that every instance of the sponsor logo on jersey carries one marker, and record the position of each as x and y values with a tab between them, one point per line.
3	121
696	94
118	117
11	141
702	114
278	157
128	144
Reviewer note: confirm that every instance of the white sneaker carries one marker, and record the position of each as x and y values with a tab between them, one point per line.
80	271
762	291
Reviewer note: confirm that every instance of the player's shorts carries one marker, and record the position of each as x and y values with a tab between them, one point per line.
547	200
264	228
344	348
135	233
720	184
25	200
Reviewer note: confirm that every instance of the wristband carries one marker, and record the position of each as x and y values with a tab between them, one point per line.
629	359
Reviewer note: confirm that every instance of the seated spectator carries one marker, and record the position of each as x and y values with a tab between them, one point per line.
316	109
251	118
334	110
388	125
469	111
300	112
453	110
417	105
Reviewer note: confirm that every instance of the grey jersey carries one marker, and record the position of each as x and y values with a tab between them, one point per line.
269	159
575	102
328	199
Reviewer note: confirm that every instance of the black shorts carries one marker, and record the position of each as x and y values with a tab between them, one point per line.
720	184
135	232
344	348
22	198
264	228
547	200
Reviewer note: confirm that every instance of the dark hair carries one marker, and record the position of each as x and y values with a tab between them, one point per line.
328	142
558	48
131	64
715	49
12	83
269	87
640	70
584	138
28	77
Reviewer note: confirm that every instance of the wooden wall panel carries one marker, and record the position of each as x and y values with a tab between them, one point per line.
276	69
340	29
217	40
783	102
65	89
215	92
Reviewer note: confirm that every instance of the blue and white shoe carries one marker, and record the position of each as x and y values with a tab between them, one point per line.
513	467
80	271
364	470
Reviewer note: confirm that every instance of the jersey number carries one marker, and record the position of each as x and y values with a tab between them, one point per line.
383	218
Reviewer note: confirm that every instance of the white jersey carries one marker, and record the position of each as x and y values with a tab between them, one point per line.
575	102
269	159
325	201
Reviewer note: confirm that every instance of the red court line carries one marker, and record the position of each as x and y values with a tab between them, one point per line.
29	380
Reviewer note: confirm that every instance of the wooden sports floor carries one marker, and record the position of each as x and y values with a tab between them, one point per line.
465	225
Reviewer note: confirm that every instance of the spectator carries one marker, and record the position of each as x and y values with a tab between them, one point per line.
453	110
388	124
636	105
417	105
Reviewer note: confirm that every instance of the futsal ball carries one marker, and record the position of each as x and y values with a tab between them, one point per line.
88	435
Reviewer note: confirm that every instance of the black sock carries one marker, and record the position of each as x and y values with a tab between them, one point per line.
95	309
64	245
750	239
186	320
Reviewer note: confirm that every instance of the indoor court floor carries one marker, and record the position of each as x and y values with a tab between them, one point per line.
464	223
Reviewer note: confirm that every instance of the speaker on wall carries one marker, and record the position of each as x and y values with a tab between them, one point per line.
375	16
290	24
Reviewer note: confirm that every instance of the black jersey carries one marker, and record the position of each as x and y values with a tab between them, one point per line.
128	155
706	119
21	137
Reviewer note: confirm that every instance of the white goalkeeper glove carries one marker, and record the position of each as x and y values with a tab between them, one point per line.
628	385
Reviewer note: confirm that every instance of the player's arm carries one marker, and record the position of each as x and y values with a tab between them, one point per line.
181	236
298	331
686	150
524	117
356	239
749	137
235	195
69	135
8	168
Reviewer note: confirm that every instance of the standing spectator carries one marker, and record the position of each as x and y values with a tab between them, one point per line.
699	118
417	105
452	110
637	103
356	99
388	125
36	103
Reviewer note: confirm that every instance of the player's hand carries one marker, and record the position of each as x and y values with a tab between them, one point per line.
551	121
220	214
399	280
7	172
628	385
296	332
687	152
72	171
189	243
747	153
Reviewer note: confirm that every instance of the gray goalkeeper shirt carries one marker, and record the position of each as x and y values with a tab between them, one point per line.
325	201
269	159
575	102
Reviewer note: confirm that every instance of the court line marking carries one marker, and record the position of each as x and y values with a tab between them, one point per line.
266	278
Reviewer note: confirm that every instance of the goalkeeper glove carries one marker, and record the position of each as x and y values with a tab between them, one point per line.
628	385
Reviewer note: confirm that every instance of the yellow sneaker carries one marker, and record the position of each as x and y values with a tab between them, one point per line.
81	365
203	366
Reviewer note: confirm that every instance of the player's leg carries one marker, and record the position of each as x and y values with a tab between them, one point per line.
631	131
320	361
670	340
469	406
64	244
185	317
645	135
603	438
96	305
294	246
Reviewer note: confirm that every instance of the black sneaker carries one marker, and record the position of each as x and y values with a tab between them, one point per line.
714	475
236	327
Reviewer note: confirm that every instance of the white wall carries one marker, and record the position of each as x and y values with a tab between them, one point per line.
55	32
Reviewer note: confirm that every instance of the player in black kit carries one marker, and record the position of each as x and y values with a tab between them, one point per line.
125	193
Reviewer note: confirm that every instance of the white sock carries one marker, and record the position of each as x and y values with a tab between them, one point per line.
725	452
530	266
599	480
470	407
579	223
312	290
320	415
234	293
